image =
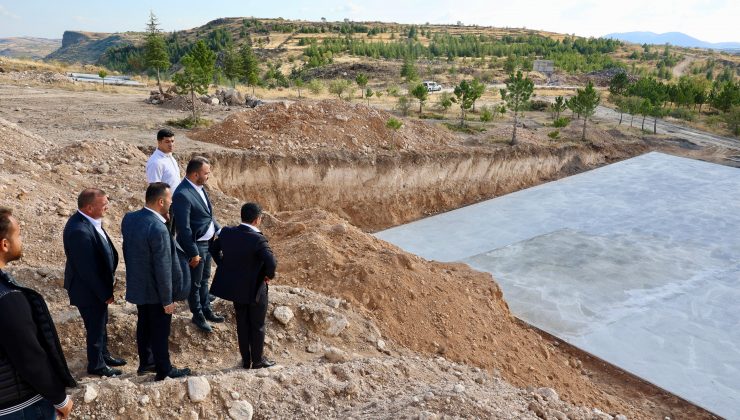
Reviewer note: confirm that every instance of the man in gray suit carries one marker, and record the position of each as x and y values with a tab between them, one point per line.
196	226
153	279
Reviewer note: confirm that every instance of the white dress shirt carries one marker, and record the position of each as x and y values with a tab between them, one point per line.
211	228
159	216
97	224
254	228
162	167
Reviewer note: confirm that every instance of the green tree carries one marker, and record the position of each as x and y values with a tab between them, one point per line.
586	102
558	107
732	118
479	89
486	113
156	56
408	69
197	73
466	93
338	87
369	94
232	65
361	80
518	91
421	93
619	83
445	101
250	65
403	105
103	74
298	84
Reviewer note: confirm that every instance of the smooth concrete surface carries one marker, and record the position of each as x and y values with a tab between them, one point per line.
637	262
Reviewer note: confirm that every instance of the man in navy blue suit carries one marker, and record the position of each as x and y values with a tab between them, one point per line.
245	267
153	279
196	226
89	276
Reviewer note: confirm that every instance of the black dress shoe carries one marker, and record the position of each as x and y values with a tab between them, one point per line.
213	317
113	361
200	321
173	373
143	370
105	371
264	363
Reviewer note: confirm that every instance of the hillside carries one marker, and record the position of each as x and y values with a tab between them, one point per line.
28	47
677	39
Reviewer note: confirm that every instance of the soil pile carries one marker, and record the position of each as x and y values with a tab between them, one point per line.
315	125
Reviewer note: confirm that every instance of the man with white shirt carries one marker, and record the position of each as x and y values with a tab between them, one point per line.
89	276
162	166
196	226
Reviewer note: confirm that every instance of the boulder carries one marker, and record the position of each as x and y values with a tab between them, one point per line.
198	388
241	410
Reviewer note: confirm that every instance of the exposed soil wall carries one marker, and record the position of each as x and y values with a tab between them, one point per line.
378	191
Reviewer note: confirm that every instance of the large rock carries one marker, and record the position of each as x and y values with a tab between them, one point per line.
337	324
198	388
241	410
90	394
283	314
336	355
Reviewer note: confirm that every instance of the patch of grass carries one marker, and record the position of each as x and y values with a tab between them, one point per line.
468	129
393	123
432	116
554	134
561	122
189	123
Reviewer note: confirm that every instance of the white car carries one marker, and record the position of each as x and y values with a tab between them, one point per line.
432	86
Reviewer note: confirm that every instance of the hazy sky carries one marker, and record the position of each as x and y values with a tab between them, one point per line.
708	20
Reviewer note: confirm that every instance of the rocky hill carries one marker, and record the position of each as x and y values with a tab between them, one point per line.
28	47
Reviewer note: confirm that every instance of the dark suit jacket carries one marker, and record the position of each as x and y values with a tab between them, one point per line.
88	274
244	259
153	274
192	217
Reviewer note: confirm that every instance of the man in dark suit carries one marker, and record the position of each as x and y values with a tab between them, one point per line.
153	278
89	276
33	370
196	226
245	266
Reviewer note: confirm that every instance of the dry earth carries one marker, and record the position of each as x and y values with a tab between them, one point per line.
376	332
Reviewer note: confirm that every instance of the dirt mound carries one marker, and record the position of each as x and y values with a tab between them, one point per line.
329	125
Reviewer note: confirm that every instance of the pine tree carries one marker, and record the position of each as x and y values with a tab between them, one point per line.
586	102
518	91
155	49
421	93
232	65
250	65
197	73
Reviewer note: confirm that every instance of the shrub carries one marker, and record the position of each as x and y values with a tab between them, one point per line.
538	105
683	114
315	86
561	122
403	105
554	134
393	123
393	90
486	113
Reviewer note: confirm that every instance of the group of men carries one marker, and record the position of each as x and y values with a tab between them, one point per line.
168	246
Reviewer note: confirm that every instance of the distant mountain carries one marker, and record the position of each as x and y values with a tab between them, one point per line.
87	47
677	39
28	47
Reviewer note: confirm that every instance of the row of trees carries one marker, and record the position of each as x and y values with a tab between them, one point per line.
650	97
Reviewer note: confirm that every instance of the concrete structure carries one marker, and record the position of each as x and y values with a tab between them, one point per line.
637	262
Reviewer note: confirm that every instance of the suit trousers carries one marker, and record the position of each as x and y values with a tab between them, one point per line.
250	330
95	318
199	277
152	337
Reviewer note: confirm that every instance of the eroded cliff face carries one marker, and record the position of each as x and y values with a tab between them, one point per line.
376	192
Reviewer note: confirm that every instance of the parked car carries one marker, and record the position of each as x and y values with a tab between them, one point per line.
432	86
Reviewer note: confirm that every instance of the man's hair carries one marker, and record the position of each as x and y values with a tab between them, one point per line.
5	214
195	164
165	132
88	196
250	211
155	191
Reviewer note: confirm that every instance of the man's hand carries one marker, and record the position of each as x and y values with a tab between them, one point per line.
66	410
267	280
109	301
194	261
170	309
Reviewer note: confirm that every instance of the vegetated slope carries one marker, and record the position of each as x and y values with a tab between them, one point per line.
87	47
28	47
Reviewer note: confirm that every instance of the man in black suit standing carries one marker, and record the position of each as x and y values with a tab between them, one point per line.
89	276
196	226
245	266
153	278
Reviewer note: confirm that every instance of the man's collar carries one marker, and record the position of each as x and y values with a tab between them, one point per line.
251	227
197	187
95	222
159	216
157	151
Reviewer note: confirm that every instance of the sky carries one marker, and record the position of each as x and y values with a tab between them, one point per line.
707	20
